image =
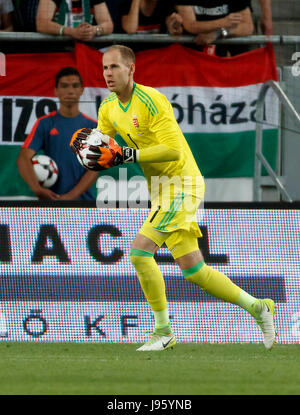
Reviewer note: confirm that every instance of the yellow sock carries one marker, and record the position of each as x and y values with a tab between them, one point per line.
161	318
213	282
151	278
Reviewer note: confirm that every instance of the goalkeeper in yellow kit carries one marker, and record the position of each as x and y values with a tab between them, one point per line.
145	120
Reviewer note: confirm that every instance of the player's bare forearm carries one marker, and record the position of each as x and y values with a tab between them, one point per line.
47	26
245	27
130	21
107	27
25	168
266	22
84	184
103	18
266	6
45	12
27	173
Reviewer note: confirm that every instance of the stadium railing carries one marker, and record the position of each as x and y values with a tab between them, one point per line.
259	157
143	38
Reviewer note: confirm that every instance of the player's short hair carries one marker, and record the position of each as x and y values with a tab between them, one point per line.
127	54
67	71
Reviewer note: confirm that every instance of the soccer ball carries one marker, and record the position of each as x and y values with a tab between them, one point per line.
95	138
46	169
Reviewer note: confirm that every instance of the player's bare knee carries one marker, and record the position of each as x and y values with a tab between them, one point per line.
189	260
143	243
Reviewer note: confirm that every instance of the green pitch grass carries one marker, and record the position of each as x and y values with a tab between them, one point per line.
117	369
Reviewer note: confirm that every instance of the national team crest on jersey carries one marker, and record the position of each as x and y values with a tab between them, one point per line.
135	121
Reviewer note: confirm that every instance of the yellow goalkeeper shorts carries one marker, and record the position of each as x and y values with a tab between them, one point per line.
175	226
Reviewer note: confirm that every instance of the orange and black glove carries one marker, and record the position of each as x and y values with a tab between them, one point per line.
110	155
104	155
78	137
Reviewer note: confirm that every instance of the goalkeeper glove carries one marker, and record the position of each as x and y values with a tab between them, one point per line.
110	155
102	156
78	137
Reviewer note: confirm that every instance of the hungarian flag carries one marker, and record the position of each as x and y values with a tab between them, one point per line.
214	102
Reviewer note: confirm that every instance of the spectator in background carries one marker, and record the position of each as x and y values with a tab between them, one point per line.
6	22
26	15
150	16
52	133
74	18
114	10
210	20
266	23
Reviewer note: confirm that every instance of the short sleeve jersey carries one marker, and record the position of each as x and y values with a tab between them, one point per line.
52	134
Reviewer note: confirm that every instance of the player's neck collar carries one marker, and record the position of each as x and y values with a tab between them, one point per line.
125	107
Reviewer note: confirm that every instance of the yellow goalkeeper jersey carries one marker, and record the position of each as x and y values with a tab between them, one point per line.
146	121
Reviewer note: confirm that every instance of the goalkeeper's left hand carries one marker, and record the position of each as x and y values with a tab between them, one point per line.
110	155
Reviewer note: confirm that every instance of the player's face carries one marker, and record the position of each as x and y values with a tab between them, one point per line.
69	89
116	72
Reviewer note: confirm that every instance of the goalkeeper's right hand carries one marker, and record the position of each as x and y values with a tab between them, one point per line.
110	155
